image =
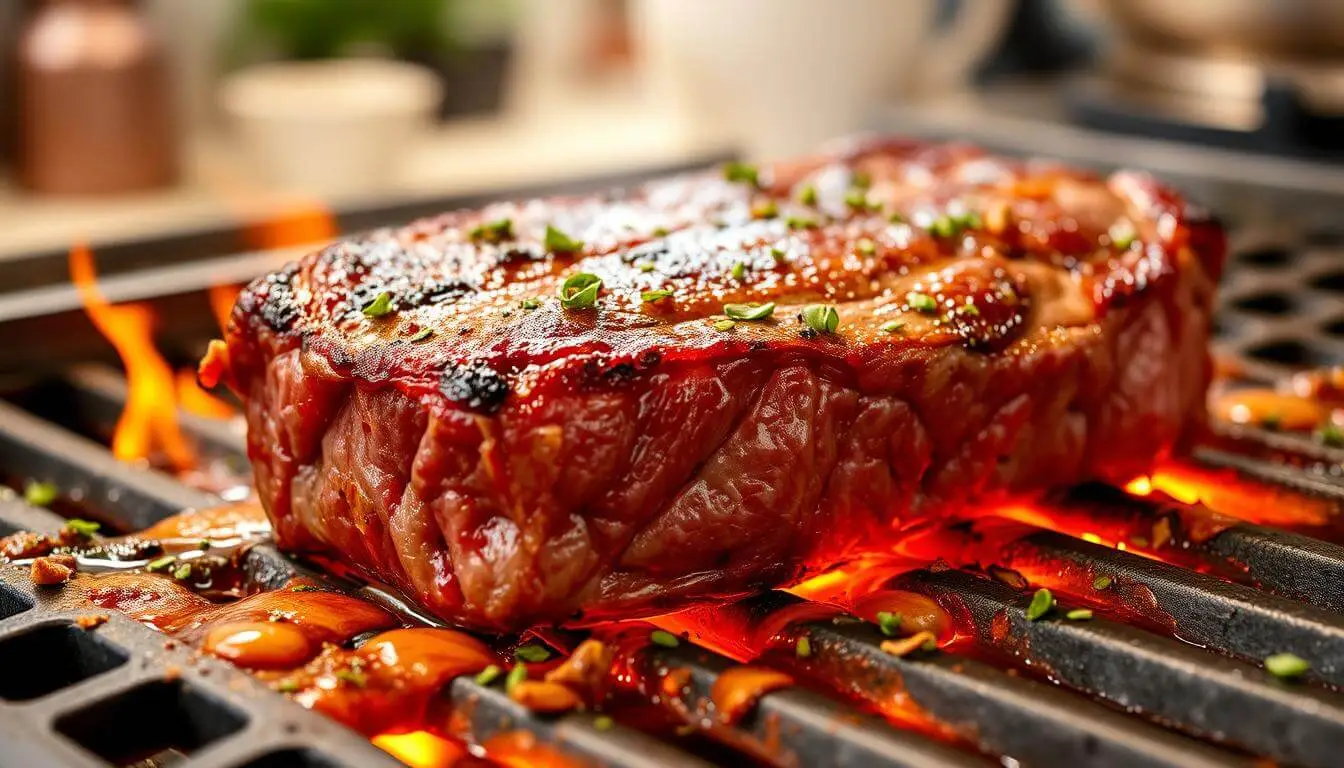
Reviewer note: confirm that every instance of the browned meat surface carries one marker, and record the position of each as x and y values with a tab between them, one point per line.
423	407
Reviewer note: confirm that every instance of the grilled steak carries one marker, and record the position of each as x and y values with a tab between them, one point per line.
947	327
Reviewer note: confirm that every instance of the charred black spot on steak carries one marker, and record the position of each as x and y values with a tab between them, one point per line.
650	359
475	386
278	308
437	292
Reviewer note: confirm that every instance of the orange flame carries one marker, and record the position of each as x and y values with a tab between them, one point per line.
420	749
194	400
305	222
149	421
222	298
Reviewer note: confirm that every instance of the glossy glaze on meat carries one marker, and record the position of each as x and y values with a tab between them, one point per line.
1004	326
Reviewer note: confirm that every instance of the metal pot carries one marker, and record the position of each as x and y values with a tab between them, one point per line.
1294	29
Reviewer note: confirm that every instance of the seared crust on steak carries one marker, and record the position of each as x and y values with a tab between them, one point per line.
1005	327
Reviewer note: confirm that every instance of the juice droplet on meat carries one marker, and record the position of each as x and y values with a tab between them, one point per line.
259	644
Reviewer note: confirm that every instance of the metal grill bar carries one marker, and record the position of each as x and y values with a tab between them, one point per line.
1001	713
796	726
1316	483
1212	695
1203	609
1290	564
87	473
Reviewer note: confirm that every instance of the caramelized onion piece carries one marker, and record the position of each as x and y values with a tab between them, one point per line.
738	689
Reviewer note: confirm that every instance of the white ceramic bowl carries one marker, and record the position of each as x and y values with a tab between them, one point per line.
336	126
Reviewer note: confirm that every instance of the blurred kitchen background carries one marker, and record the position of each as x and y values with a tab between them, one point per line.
130	120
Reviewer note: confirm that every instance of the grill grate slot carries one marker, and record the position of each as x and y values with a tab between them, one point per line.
293	758
54	656
157	717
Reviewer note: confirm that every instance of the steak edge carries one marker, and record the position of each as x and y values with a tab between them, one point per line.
422	406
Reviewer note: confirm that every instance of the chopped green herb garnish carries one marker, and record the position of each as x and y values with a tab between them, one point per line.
861	179
765	209
492	231
803	648
603	722
778	254
664	638
304	588
889	623
379	306
579	291
739	270
808	195
182	572
896	218
944	226
969	220
1079	614
82	528
922	302
287	686
857	199
530	303
1122	234
489	675
1041	603
892	326
645	266
160	564
660	232
204	545
516	675
822	318
1330	435
655	295
1101	582
40	494
353	677
532	652
724	325
866	247
421	335
1287	665
558	242
749	311
800	222
742	172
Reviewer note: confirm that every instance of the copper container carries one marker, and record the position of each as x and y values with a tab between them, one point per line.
93	95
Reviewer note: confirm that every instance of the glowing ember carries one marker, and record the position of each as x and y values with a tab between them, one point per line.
420	749
149	421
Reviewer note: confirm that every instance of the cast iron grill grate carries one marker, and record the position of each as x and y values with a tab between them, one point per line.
1115	691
